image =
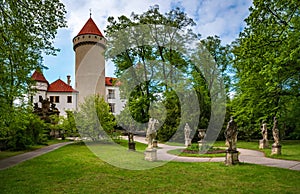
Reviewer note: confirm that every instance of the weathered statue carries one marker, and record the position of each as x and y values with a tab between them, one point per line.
231	134
264	143
275	131
264	131
187	132
151	131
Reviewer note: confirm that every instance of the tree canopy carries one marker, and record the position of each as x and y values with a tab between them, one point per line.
157	62
267	65
27	29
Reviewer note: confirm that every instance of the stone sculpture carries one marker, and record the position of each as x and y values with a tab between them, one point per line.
151	152
187	132
231	137
231	134
276	147
151	131
264	143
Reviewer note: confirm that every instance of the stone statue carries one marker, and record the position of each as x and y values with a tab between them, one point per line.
231	134
264	143
187	132
264	131
151	131
275	132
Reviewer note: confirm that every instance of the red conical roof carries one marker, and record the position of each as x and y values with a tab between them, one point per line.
38	76
90	28
60	86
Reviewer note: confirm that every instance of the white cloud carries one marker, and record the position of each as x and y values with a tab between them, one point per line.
213	17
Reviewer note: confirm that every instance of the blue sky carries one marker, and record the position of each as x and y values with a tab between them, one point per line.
224	18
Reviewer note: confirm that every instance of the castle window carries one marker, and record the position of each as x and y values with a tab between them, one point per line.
69	99
40	98
111	94
54	99
112	107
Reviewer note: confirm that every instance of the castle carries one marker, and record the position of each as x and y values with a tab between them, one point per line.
89	46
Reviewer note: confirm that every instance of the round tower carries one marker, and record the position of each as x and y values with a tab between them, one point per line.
89	46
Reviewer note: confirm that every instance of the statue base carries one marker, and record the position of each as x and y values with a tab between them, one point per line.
232	157
263	144
151	154
202	146
131	146
276	149
188	142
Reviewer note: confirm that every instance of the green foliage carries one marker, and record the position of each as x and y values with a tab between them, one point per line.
94	120
27	29
171	122
68	126
25	129
151	53
75	169
267	65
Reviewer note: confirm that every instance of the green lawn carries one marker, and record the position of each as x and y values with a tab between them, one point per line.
290	148
75	169
179	152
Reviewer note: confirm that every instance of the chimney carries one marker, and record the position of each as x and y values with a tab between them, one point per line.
69	80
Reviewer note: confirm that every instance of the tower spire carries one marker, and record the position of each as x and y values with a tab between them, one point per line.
90	12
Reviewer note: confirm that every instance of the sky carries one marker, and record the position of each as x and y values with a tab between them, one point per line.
224	18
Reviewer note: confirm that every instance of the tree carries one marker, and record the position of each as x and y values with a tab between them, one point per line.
267	63
94	119
27	29
148	57
152	52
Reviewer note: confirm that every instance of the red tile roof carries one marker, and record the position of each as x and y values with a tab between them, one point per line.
38	76
90	28
60	86
111	81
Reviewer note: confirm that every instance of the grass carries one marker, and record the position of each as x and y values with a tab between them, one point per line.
290	148
9	153
75	169
179	152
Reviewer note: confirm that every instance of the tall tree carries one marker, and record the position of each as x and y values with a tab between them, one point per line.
267	62
27	28
152	52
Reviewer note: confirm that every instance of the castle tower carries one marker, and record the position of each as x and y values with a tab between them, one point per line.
89	46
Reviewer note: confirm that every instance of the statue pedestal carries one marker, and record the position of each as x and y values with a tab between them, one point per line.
202	146
276	149
151	154
263	144
188	142
232	157
131	146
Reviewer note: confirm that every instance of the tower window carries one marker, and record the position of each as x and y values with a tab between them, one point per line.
40	98
111	94
69	99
